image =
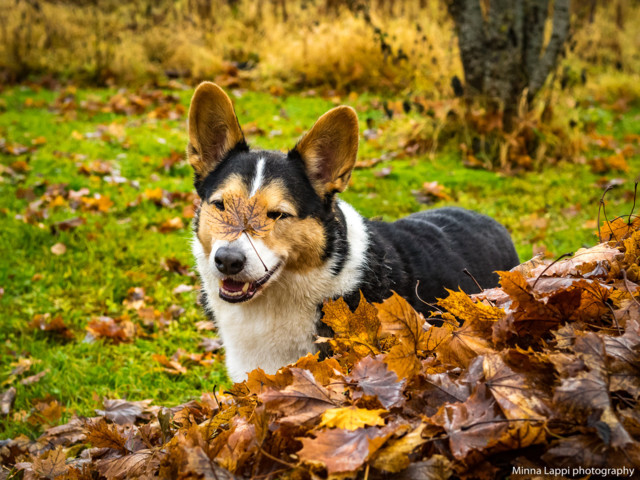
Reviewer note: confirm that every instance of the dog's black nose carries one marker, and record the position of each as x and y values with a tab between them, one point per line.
229	260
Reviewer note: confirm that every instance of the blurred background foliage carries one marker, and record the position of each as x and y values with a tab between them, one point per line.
404	48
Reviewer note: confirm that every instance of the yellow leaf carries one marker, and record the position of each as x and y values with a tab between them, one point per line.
153	194
352	418
399	318
395	457
357	331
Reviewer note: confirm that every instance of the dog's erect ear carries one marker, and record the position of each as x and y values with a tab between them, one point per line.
213	128
329	150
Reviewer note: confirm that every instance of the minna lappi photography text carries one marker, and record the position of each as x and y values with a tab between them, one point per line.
319	239
578	472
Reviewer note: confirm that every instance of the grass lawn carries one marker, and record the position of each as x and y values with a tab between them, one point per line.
136	207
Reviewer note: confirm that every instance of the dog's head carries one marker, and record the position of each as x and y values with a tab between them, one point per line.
264	213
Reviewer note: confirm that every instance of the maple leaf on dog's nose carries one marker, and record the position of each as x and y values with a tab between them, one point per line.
239	216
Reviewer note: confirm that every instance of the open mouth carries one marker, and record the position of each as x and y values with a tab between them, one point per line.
234	291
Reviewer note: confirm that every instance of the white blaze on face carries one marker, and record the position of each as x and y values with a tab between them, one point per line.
258	178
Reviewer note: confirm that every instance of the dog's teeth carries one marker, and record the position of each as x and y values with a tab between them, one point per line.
245	289
220	283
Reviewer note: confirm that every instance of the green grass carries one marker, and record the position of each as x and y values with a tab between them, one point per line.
122	248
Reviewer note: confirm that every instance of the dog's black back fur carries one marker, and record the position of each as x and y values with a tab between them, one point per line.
423	254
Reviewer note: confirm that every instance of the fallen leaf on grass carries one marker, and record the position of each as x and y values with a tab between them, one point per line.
176	266
118	330
173	367
47	411
23	364
65	225
182	288
135	298
431	192
34	378
206	325
171	225
59	249
209	344
53	325
6	400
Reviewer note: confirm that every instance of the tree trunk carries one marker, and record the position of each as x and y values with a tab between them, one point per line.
502	48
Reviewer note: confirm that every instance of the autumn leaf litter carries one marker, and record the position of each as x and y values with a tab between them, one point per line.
543	371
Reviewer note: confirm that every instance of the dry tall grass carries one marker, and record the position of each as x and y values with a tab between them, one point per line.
397	45
319	43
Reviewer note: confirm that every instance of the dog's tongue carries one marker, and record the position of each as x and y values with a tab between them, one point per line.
232	286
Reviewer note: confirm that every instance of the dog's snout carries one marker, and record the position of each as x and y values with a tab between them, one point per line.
229	260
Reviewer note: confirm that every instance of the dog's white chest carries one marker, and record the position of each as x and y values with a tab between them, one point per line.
270	332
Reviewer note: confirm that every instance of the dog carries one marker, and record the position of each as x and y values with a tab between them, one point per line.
266	291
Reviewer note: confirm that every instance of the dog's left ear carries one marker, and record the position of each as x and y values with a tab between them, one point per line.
329	150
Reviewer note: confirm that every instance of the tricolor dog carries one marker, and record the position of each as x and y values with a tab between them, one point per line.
266	291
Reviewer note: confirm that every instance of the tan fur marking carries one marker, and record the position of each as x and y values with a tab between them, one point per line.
303	241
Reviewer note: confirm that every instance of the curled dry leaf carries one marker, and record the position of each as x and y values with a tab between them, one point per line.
123	412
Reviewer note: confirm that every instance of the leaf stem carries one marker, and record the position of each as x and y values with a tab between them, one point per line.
255	250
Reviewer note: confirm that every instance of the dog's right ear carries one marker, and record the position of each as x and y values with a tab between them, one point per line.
213	128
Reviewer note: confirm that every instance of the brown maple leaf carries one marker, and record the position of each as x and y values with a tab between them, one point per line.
473	424
343	450
518	400
303	400
374	379
51	465
241	215
103	435
133	465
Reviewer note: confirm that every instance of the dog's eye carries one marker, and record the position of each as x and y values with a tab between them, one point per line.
219	204
278	215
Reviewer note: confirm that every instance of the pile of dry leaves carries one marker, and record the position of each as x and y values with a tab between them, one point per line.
543	372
